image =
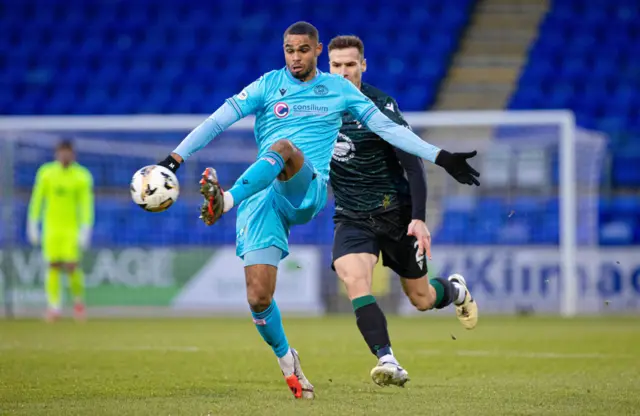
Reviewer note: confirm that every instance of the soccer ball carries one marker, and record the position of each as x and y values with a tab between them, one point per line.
154	188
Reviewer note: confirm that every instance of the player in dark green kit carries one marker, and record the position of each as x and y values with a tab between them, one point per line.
378	210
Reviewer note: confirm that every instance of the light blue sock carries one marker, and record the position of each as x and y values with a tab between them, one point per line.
257	177
269	324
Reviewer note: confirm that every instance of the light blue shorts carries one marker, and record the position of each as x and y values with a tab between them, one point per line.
264	220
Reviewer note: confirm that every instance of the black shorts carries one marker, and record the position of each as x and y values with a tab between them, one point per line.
384	233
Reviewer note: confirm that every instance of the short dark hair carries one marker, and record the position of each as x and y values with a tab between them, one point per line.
65	144
347	41
303	28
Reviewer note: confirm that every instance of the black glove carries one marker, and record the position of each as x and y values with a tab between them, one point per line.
170	163
456	165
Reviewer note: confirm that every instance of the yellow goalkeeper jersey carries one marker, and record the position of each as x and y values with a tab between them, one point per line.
62	198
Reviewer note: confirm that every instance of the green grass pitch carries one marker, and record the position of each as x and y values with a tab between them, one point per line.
507	366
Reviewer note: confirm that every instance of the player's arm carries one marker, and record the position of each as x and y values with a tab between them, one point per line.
86	208
368	114
412	165
35	205
248	101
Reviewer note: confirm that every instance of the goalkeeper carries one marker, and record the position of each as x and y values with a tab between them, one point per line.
62	199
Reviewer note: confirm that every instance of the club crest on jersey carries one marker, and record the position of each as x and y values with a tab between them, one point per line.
345	149
281	110
320	90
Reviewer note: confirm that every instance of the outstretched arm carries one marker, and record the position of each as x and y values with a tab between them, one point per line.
199	137
368	114
454	163
248	101
401	137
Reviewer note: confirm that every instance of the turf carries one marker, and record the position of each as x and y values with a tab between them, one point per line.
515	366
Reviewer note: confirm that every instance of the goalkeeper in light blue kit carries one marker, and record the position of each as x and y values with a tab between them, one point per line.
298	115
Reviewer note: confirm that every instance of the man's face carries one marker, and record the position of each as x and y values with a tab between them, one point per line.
348	63
301	55
65	156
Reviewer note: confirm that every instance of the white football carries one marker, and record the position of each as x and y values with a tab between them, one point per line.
154	188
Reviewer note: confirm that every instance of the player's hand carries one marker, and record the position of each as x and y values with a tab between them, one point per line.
84	238
33	235
170	163
456	165
419	230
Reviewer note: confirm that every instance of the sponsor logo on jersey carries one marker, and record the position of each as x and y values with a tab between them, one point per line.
320	90
283	91
310	109
281	110
344	150
389	106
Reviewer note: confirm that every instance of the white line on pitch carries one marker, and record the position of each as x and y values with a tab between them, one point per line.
159	348
523	354
150	348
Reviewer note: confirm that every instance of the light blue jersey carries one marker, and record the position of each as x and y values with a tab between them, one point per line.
309	114
306	113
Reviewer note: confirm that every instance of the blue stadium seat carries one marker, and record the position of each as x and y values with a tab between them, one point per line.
626	205
620	220
586	58
618	232
514	232
86	53
625	168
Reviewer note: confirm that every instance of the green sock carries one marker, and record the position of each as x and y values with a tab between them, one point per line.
76	284
445	292
437	285
358	303
52	287
372	325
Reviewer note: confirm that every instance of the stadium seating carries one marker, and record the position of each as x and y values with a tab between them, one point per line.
112	57
485	221
532	221
121	57
587	59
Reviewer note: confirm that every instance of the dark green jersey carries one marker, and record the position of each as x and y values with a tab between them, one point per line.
366	175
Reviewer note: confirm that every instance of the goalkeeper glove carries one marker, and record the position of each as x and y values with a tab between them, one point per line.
33	234
456	165
84	238
170	163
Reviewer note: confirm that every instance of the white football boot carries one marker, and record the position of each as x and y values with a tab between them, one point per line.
387	373
467	311
299	385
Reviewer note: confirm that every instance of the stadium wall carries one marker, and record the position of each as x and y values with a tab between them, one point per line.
210	281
